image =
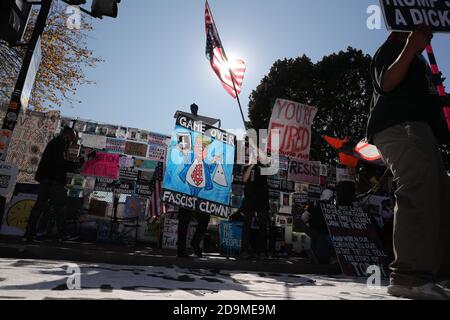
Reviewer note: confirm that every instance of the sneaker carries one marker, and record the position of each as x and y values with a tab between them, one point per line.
429	291
445	284
197	250
27	239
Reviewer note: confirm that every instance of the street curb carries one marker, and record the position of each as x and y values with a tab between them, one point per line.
33	251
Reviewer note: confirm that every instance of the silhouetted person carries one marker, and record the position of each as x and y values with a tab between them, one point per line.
401	126
52	178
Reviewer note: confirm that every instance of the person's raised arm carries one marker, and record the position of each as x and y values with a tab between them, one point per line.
416	43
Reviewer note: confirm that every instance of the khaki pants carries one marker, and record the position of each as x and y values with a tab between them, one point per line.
422	213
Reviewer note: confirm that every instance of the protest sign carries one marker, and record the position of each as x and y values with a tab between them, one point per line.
128	174
115	145
155	138
33	132
124	187
126	162
145	165
143	189
355	240
134	208
104	165
230	235
304	171
157	152
136	149
294	121
104	185
404	15
170	232
314	192
17	213
8	177
93	141
345	175
200	168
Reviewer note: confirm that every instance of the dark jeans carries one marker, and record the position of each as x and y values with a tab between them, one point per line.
184	218
259	237
51	194
422	213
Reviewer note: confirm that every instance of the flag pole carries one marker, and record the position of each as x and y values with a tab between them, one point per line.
229	69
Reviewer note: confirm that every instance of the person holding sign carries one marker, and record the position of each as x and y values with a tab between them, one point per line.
401	125
52	176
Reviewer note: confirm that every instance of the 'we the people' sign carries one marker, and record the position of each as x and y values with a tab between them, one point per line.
293	120
405	15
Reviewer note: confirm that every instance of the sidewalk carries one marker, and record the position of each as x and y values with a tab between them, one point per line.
142	255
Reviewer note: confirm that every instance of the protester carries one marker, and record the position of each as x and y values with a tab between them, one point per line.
401	125
52	177
256	212
184	218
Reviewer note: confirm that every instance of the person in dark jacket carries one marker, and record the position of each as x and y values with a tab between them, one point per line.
184	218
52	178
401	126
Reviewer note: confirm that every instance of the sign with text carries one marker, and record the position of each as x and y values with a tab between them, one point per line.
294	121
199	172
355	240
304	171
104	165
136	149
230	234
115	145
404	15
157	152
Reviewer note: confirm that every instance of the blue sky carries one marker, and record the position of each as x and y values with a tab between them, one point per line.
156	64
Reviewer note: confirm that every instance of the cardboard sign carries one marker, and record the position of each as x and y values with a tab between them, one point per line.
157	152
294	121
93	141
170	232
8	177
199	173
404	15
230	235
136	149
304	171
104	165
115	145
355	240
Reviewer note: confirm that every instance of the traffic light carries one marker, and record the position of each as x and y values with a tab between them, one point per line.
102	8
14	16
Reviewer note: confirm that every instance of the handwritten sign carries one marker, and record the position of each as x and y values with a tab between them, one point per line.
103	166
304	171
355	240
294	121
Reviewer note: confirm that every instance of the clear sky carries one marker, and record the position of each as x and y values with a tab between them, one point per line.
156	64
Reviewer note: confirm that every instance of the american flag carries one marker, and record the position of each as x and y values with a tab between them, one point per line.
228	71
156	207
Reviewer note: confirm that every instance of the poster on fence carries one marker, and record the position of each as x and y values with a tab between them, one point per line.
104	165
8	177
294	121
33	132
136	149
200	168
304	171
406	15
355	240
115	145
157	152
93	141
170	232
17	213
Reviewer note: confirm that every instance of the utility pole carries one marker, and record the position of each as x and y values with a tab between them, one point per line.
15	105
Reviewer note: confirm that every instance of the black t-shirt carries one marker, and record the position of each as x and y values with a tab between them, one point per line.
410	101
256	194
